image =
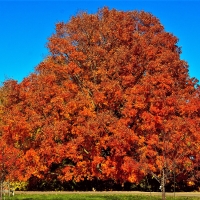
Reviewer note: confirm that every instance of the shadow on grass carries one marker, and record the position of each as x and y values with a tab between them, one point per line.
25	198
81	197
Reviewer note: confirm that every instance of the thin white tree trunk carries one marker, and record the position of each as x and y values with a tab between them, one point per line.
163	184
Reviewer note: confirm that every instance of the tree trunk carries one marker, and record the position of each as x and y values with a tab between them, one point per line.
163	184
174	183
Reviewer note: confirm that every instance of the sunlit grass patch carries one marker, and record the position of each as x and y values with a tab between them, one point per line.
92	196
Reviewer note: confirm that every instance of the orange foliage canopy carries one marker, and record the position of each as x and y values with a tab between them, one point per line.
112	100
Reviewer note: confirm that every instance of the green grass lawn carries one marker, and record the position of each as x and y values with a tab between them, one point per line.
93	197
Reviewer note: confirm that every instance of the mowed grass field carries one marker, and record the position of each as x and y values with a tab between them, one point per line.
93	196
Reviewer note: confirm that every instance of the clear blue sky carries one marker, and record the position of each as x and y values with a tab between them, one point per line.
26	25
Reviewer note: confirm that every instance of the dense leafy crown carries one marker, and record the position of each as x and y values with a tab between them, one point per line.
112	100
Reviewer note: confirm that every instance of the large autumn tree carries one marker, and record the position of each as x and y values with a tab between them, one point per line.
113	100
